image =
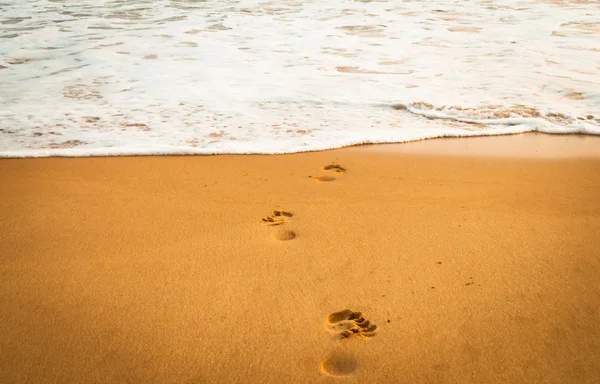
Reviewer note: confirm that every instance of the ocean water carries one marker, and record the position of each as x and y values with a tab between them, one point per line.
123	77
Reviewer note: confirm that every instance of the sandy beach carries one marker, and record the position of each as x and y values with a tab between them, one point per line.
474	266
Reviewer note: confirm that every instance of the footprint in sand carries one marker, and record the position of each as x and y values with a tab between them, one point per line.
331	167
346	324
276	218
350	324
279	217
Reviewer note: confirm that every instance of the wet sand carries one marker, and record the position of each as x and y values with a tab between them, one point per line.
474	267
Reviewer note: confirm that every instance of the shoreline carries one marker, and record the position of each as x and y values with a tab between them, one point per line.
159	269
528	144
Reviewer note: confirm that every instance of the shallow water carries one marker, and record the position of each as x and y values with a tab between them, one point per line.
183	77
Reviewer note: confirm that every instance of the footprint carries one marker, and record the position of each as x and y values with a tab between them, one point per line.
339	364
334	167
331	167
351	324
285	235
276	218
348	323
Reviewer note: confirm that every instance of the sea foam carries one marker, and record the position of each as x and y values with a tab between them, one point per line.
206	77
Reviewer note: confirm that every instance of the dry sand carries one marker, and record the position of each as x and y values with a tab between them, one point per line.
158	269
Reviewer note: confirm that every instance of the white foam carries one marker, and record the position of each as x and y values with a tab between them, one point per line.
206	77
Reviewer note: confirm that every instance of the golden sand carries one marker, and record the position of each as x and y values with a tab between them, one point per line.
405	267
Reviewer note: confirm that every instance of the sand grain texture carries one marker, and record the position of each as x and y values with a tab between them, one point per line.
158	269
